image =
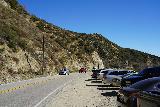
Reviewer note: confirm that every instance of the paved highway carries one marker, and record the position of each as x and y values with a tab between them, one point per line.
35	92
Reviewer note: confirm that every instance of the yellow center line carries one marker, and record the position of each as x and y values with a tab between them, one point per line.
22	86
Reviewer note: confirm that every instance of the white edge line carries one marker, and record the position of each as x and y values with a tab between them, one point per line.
38	104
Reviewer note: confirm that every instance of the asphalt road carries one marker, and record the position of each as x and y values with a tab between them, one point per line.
35	92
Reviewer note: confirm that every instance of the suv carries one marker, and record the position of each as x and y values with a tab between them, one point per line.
144	74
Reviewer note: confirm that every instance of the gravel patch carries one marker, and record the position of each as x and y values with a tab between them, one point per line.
77	94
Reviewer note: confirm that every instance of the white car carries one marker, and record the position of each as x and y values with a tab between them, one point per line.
104	80
103	72
114	77
64	71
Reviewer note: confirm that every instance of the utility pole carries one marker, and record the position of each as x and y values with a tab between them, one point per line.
43	54
98	65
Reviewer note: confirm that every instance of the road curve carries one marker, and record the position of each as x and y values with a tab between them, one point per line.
35	92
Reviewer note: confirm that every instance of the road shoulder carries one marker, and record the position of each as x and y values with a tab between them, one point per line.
77	94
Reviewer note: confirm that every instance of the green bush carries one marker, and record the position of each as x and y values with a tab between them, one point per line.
12	35
16	6
35	18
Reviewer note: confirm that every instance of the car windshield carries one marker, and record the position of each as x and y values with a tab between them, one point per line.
158	86
113	73
118	72
156	91
142	72
123	72
145	84
104	71
128	75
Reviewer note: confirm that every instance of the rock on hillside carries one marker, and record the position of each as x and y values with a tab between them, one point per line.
4	3
21	47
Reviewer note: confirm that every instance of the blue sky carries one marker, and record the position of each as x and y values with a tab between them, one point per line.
129	23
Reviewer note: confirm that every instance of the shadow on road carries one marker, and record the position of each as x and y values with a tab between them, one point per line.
96	81
105	85
110	94
91	85
109	88
97	85
92	79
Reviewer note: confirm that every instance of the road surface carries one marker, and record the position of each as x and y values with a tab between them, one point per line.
35	92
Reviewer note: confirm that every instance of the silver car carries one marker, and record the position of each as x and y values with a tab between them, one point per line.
114	77
102	72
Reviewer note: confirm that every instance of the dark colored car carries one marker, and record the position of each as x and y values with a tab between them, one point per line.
144	74
82	70
150	98
95	72
127	96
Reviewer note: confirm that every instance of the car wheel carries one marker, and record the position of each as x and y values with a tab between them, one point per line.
132	102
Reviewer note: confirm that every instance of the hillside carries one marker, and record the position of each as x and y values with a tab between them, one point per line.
23	36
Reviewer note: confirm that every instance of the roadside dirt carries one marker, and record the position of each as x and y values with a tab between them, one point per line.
83	92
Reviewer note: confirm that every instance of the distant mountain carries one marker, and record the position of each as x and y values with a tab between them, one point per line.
21	47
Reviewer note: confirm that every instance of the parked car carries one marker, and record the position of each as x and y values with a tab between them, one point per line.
118	79
113	76
95	72
64	71
150	98
82	70
129	74
102	72
127	96
144	74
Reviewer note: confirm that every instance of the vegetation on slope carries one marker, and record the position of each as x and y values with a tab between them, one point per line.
20	30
